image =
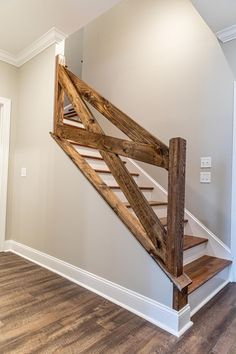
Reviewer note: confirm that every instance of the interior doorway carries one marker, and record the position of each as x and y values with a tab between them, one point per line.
5	115
233	202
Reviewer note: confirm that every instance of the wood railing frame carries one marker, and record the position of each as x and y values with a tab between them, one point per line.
144	212
59	95
134	150
175	214
165	246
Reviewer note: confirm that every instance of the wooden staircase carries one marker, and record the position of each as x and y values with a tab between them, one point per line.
157	224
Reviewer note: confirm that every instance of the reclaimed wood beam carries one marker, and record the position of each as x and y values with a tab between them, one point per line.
137	151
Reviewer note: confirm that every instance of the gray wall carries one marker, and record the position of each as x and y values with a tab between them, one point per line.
74	52
159	62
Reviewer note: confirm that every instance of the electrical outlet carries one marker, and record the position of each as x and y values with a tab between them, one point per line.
205	177
205	162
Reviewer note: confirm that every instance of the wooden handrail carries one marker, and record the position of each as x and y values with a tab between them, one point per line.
165	246
134	150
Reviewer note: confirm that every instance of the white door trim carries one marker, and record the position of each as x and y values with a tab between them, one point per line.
5	114
233	200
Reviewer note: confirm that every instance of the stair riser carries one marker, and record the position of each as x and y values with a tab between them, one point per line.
87	151
159	210
208	290
110	180
194	253
97	164
74	124
120	195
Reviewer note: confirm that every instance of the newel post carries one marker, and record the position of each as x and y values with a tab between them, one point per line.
59	95
175	215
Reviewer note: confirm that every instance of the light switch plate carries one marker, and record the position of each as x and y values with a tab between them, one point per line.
205	177
23	172
206	162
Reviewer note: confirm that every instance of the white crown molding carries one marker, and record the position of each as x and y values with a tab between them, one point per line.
7	57
53	36
227	34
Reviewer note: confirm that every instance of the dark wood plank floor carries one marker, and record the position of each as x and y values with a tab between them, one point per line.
40	312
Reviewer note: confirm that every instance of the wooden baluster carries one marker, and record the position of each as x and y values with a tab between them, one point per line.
59	96
175	215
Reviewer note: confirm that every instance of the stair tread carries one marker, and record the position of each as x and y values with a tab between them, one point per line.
203	269
69	117
86	156
109	172
140	187
164	221
151	203
70	114
192	241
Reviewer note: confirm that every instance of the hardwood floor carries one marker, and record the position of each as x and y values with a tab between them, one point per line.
40	312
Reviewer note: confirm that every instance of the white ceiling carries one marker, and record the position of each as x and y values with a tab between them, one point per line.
24	21
218	14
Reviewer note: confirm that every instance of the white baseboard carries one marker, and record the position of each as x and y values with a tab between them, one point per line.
162	316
